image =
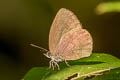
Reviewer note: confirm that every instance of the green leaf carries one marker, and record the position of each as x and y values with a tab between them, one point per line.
111	75
79	69
108	7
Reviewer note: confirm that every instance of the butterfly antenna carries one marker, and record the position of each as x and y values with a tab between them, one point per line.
39	47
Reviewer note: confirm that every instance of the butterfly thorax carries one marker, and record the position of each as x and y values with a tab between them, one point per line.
53	58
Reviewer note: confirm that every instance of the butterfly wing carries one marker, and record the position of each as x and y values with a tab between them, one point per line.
75	44
64	21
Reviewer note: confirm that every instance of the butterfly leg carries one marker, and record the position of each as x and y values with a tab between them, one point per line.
51	63
66	63
56	64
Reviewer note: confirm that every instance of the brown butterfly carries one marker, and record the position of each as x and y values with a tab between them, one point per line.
67	39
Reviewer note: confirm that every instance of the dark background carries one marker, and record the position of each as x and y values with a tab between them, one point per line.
28	21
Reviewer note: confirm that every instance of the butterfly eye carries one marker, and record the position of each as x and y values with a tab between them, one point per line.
47	54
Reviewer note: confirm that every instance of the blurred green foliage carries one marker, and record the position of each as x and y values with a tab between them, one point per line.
108	7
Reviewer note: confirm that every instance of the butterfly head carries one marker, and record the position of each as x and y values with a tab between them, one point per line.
47	54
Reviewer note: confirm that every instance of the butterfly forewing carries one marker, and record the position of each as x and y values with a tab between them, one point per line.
64	21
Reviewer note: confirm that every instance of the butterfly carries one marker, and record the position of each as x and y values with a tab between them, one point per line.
67	39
